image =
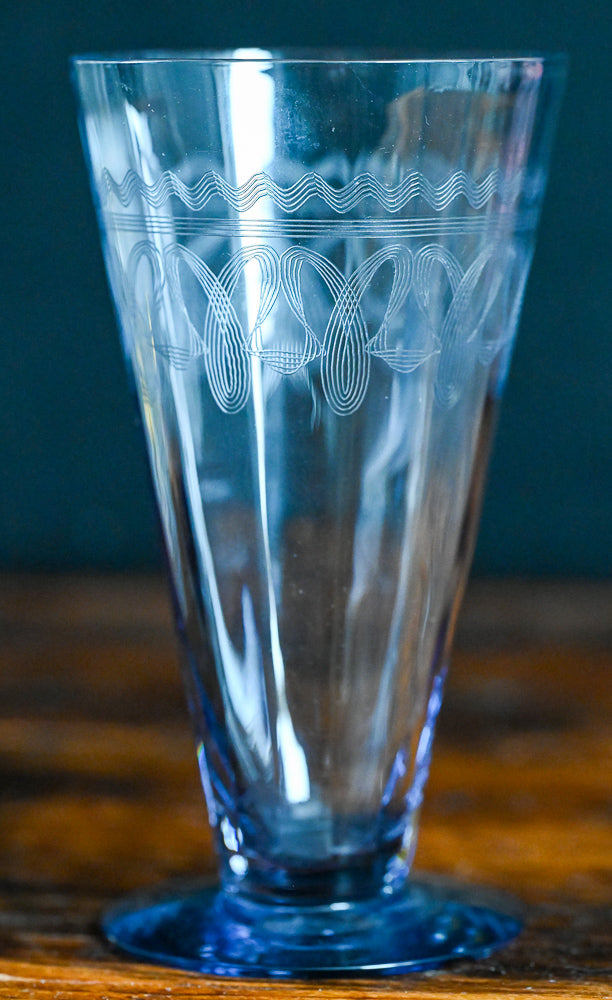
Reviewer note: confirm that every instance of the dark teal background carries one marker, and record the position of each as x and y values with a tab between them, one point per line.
74	489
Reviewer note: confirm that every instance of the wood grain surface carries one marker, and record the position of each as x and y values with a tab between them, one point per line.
99	791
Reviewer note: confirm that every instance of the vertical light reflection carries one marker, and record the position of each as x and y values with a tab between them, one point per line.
251	90
241	680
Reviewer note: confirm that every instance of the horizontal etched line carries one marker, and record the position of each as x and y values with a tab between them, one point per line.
310	228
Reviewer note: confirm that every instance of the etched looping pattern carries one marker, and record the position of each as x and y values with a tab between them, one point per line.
468	324
345	365
221	343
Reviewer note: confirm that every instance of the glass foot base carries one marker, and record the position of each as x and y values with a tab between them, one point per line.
206	930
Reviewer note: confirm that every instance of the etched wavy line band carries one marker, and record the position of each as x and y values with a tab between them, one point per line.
312	185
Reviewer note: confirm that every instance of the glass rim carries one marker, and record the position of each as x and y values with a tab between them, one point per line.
317	57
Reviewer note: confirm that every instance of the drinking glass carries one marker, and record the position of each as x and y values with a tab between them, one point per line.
318	263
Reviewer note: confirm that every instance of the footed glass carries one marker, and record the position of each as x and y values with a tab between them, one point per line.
318	263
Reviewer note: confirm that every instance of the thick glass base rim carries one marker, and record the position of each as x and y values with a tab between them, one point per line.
199	929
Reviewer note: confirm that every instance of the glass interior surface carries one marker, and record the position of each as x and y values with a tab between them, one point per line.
318	266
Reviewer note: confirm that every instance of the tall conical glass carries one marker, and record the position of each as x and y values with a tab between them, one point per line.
318	263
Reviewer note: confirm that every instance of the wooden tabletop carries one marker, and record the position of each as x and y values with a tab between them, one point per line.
99	792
